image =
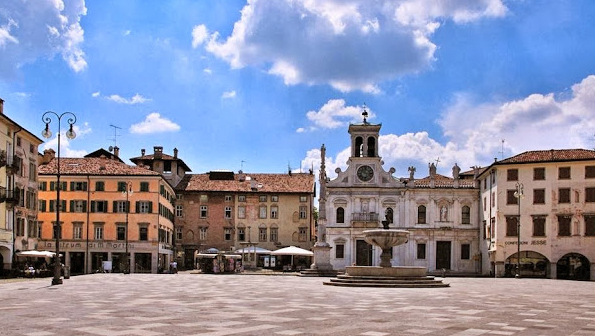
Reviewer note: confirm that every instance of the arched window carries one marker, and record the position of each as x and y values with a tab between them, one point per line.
466	215
340	215
371	147
359	144
421	214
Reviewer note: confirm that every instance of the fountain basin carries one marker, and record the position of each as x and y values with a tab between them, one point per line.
386	239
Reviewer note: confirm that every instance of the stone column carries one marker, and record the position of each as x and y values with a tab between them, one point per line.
500	270
322	257
554	270
132	265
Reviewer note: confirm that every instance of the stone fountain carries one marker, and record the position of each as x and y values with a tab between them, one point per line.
386	275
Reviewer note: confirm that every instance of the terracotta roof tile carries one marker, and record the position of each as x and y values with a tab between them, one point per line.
266	183
442	181
551	155
92	166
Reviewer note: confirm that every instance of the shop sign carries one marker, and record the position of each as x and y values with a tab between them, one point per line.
105	245
533	242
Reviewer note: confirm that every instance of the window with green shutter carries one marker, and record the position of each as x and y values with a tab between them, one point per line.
144	186
99	186
122	186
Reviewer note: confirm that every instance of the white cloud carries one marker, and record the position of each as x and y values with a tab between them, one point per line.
207	71
474	132
335	114
96	94
126	32
349	44
154	123
228	94
82	130
136	99
65	150
34	29
199	35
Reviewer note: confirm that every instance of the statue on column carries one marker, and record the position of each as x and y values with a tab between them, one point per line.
411	170
455	171
432	170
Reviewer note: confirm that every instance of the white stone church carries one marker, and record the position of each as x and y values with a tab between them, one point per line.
441	213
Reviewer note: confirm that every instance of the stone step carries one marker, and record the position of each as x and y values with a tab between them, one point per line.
387	285
419	281
318	273
380	278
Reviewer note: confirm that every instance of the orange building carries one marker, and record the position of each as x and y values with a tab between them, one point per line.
107	208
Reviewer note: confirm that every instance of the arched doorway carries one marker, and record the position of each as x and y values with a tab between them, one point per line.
533	265
573	266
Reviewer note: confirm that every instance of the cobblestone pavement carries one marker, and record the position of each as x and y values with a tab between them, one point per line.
217	305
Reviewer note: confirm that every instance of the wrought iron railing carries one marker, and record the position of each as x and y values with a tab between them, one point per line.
364	217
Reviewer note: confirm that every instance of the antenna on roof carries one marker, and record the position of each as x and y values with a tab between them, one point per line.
116	135
502	151
242	165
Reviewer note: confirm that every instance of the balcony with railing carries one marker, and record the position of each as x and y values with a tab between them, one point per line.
364	219
11	197
13	164
2	158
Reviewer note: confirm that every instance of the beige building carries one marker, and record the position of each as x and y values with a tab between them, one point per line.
552	192
107	208
18	190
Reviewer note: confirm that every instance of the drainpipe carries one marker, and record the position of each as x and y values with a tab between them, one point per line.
14	145
87	257
490	219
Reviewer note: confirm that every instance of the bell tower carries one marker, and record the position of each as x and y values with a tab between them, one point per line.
364	138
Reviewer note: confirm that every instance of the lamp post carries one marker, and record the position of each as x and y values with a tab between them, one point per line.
70	134
518	194
128	192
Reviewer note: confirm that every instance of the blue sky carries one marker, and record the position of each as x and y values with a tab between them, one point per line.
268	82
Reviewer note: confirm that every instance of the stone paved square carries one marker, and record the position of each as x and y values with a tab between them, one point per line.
218	305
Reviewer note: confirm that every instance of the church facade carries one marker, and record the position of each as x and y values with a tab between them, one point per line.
441	213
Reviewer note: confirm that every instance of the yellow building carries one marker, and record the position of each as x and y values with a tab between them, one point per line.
107	208
18	190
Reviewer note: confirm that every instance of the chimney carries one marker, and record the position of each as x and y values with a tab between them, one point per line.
48	155
142	152
117	151
1	106
157	152
175	153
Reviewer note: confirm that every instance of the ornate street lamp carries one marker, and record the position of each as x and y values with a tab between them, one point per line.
518	194
127	192
70	134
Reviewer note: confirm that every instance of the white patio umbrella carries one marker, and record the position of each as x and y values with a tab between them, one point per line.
293	251
251	249
45	254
